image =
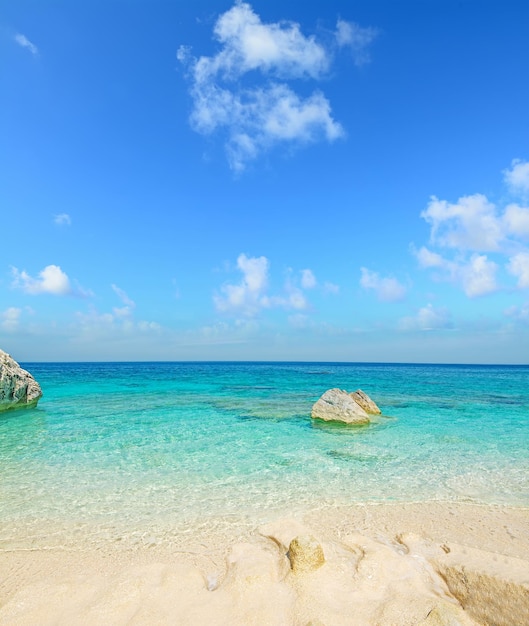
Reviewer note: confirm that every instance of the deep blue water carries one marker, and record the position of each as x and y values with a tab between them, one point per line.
124	448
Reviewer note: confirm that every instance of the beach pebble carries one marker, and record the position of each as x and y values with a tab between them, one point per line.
305	554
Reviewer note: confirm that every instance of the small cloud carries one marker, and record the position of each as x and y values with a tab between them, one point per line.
519	266
62	219
248	296
124	311
519	313
23	41
10	319
330	288
183	54
428	318
358	38
479	276
517	177
308	280
387	289
50	280
516	221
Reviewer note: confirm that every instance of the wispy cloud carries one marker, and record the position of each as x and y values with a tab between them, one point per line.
10	319
308	280
357	38
517	177
265	111
51	280
387	289
23	41
129	305
428	318
62	219
120	319
474	237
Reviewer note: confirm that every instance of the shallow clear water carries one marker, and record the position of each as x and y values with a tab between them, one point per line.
141	449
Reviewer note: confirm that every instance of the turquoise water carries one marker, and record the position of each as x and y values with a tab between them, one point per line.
121	450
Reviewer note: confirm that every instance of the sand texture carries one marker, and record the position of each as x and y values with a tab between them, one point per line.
433	564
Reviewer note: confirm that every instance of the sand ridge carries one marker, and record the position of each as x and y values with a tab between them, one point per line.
388	564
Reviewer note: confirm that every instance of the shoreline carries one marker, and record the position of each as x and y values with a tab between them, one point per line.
388	563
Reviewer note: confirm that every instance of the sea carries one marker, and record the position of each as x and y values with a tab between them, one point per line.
137	452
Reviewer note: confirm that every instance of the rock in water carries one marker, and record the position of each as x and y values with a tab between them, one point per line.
337	405
365	402
18	388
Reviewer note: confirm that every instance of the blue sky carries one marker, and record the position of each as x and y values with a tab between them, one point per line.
265	181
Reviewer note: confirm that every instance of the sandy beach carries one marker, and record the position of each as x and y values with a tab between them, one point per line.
387	564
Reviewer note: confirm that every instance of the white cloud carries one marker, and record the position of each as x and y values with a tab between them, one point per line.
519	266
479	276
519	314
10	319
470	224
428	318
473	226
23	41
51	280
125	311
427	258
242	89
357	38
248	44
120	320
308	280
296	299
331	288
388	289
516	221
248	296
517	178
62	219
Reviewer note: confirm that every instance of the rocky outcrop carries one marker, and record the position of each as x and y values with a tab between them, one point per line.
18	388
337	405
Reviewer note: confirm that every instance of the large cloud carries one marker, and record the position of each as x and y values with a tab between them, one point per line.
474	237
243	91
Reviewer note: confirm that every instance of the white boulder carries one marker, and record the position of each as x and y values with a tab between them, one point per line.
336	405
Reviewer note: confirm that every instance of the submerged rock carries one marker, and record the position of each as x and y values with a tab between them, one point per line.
338	406
18	388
